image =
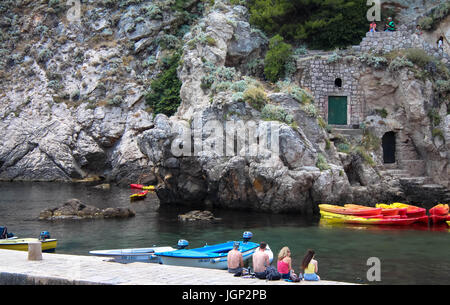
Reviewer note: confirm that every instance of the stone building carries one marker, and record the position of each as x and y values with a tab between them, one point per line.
335	88
349	92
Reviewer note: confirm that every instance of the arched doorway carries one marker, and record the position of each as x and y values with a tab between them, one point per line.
388	143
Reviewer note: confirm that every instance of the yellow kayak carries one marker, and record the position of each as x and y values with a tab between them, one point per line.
448	223
340	218
140	195
21	244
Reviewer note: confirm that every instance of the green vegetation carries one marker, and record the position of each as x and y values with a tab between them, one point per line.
276	113
276	57
361	151
321	24
256	97
435	16
382	112
164	96
436	132
343	147
419	57
322	163
434	116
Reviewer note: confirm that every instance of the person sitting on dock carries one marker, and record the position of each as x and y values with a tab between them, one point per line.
284	265
235	259
309	266
260	261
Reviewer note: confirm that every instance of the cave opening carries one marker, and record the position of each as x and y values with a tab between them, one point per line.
388	143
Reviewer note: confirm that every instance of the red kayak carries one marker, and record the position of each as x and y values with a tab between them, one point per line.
422	219
136	186
439	218
440	209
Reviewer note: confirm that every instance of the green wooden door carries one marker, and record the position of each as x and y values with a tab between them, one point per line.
337	110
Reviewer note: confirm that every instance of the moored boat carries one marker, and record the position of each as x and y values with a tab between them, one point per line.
439	218
21	244
411	210
133	254
388	210
440	209
213	256
351	219
353	210
142	187
140	195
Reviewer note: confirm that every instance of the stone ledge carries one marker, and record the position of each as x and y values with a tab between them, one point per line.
62	269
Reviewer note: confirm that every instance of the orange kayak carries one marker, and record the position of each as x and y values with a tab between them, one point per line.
411	210
361	210
351	219
440	209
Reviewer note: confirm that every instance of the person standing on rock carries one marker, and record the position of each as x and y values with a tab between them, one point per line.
260	261
373	27
235	259
440	45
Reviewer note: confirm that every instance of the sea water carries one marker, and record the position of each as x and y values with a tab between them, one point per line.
408	255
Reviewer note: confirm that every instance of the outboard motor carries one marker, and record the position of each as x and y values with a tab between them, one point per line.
247	236
44	235
4	233
182	243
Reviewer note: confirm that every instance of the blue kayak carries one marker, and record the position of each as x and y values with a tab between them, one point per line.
214	256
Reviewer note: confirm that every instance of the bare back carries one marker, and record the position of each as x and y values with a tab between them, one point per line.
260	260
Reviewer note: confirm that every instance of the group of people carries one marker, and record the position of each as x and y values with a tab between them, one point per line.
388	27
261	262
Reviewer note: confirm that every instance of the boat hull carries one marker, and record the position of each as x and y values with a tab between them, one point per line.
139	196
338	218
440	209
146	255
439	218
206	257
142	187
21	244
411	210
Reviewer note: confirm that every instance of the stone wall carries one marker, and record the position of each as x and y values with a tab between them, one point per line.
385	42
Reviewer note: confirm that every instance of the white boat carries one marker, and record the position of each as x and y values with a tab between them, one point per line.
146	255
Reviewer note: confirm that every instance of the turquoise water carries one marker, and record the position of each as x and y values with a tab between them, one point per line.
413	255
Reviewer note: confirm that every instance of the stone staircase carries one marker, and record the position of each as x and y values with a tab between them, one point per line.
416	185
348	132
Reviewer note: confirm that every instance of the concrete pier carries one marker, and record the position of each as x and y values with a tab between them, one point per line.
62	269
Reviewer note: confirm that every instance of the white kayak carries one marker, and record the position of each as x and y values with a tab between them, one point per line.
133	254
